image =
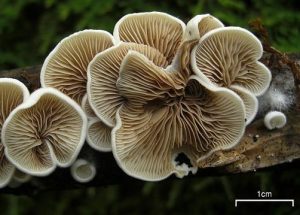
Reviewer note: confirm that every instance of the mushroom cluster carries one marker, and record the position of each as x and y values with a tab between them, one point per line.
155	89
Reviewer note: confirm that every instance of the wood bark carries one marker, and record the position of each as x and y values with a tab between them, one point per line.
259	148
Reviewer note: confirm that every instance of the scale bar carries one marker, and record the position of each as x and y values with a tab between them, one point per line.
264	200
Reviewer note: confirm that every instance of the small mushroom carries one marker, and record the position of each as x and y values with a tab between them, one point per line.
103	72
228	57
275	119
46	131
163	116
65	67
98	133
12	94
83	171
158	30
200	25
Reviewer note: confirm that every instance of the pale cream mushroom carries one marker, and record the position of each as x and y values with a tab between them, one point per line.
200	25
65	67
275	119
228	57
98	133
163	116
103	72
158	30
12	94
83	171
46	131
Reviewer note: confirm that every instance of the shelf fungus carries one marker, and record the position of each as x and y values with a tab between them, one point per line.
83	171
228	57
98	133
12	94
45	131
274	119
164	115
65	67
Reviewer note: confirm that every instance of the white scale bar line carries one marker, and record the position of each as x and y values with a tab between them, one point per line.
264	200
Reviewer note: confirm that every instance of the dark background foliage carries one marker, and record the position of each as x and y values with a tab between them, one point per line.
29	30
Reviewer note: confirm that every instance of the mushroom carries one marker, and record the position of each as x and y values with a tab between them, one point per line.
162	116
200	25
158	30
103	72
12	94
275	119
228	57
18	179
46	131
66	66
98	133
83	171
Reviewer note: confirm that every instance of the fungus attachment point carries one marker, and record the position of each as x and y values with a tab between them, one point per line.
12	94
200	25
65	67
83	171
275	119
47	130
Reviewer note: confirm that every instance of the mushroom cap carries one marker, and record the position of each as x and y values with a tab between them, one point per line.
229	56
163	117
65	67
83	171
156	29
103	72
275	119
98	135
47	130
12	94
200	25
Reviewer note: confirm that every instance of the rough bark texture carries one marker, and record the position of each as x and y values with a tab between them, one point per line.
259	148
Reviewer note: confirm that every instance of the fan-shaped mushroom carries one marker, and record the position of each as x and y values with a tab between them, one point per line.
228	57
83	171
66	66
158	30
45	131
200	25
275	119
12	94
163	116
98	133
103	72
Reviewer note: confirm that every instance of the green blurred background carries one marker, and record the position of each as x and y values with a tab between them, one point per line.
29	30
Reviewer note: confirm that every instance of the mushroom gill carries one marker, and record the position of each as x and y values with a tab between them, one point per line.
65	67
98	133
47	130
103	72
228	57
164	115
158	30
12	94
